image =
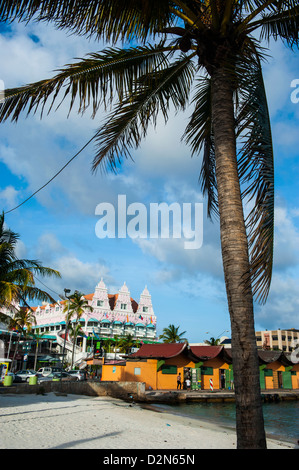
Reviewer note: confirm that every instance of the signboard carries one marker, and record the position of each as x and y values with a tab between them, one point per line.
196	379
3	370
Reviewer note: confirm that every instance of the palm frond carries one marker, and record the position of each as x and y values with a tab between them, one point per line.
128	123
199	135
108	19
283	25
94	80
256	173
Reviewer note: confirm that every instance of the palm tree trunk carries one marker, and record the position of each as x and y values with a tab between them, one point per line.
234	246
15	352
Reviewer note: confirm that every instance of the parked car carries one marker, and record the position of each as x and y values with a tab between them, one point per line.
16	379
44	371
25	375
65	377
80	374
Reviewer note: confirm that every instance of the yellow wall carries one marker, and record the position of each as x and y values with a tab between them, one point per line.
217	364
295	378
113	373
148	373
156	379
169	381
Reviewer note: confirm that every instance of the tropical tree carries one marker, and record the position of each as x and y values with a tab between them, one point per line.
212	341
108	345
22	322
127	343
76	306
215	45
171	335
37	336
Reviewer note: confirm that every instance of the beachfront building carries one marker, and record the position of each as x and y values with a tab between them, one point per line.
283	340
208	367
112	315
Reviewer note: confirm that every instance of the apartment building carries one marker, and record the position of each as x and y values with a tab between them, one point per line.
283	340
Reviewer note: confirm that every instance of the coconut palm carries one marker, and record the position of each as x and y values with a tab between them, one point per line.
22	321
128	342
215	46
37	336
171	335
212	341
76	306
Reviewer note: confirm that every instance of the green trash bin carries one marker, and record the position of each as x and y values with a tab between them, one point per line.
33	380
8	380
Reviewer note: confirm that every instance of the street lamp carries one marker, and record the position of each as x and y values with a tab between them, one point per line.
219	336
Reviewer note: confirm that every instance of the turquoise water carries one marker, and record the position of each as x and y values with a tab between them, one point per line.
281	419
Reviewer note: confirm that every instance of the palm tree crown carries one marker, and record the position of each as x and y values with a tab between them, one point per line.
171	335
209	51
204	37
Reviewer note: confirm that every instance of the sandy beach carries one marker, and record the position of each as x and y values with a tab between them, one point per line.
52	421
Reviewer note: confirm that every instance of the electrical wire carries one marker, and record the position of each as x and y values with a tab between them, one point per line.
53	177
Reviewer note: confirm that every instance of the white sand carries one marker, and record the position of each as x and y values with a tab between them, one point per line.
81	422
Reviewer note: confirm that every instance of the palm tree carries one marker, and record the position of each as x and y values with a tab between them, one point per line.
17	284
76	306
215	45
127	343
171	335
37	336
212	341
22	322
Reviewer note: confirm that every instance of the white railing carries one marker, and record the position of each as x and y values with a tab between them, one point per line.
68	344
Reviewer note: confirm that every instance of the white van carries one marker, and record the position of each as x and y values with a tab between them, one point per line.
44	371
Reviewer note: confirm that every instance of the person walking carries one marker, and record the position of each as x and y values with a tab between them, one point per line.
188	384
179	381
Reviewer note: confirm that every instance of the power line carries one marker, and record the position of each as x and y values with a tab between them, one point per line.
53	177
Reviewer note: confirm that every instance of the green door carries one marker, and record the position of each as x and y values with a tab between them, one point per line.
287	379
229	378
262	380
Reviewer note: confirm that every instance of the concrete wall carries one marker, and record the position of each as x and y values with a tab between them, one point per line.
123	390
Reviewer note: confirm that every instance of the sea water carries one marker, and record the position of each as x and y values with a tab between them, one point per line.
281	419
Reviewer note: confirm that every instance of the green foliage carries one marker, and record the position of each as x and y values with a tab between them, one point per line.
171	335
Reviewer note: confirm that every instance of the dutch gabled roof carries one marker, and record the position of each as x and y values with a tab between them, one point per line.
112	298
206	352
159	350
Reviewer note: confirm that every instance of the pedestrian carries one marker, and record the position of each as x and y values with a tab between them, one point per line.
188	383
179	381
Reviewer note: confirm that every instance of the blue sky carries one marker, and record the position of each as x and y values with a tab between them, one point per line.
58	225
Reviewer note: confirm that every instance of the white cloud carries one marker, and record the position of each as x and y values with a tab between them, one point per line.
75	273
8	197
286	240
281	309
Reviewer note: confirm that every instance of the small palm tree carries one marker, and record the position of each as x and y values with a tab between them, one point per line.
171	335
76	306
22	322
37	336
128	342
212	341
